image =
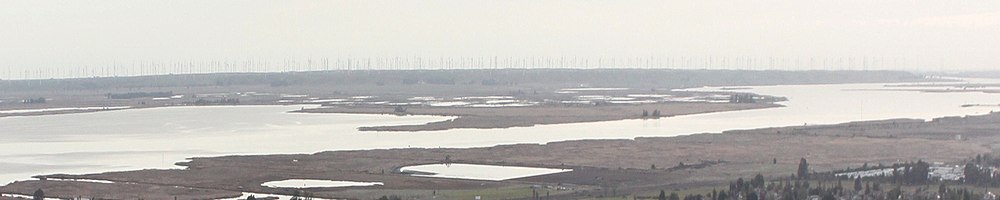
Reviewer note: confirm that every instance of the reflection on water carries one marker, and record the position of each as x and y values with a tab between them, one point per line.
477	172
307	183
159	137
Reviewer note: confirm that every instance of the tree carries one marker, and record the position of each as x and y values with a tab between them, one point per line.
393	197
653	166
829	196
857	184
39	195
656	113
895	193
803	169
805	190
295	195
752	196
868	188
740	184
918	173
788	193
977	175
663	195
723	195
674	196
645	113
251	198
758	181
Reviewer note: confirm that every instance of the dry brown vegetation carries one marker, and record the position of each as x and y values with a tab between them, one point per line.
72	190
600	166
506	117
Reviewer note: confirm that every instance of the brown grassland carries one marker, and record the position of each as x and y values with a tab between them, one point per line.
601	167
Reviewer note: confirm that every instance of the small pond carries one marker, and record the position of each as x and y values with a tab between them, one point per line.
307	183
478	172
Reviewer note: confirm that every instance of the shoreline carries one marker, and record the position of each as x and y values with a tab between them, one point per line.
350	172
828	147
510	117
68	112
133	105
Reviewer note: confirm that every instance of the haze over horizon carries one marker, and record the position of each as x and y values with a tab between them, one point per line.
47	38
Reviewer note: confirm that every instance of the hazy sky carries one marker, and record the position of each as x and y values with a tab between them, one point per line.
913	34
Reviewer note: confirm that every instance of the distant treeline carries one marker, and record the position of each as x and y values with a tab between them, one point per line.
803	185
633	78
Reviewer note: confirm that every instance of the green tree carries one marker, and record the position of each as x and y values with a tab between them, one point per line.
38	195
857	184
393	197
674	196
803	172
758	181
251	198
894	193
829	196
917	173
723	195
663	195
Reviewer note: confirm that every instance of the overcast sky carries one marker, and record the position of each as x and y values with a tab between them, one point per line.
906	34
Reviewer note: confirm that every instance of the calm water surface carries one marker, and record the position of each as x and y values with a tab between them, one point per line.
478	172
311	183
159	137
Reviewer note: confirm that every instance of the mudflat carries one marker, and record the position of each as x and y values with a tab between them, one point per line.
599	166
506	117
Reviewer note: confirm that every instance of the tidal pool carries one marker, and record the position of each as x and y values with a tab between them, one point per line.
309	183
267	196
133	139
478	172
